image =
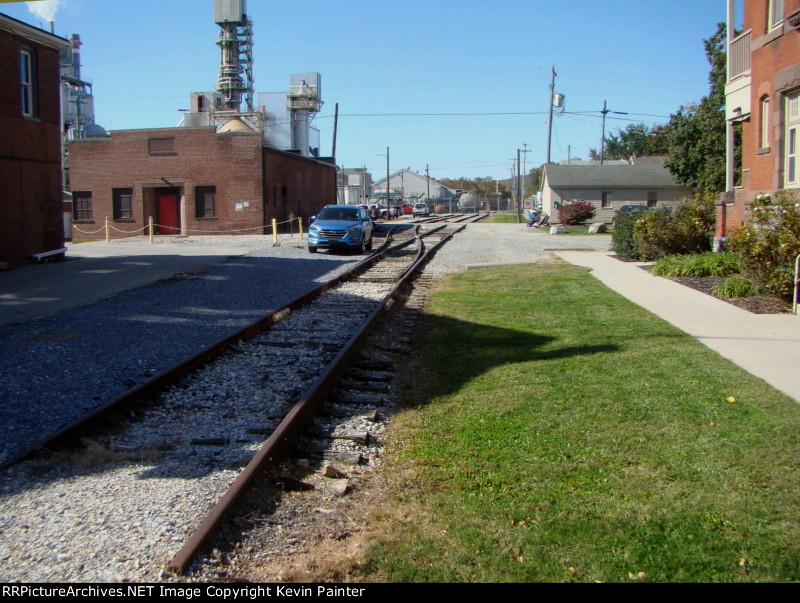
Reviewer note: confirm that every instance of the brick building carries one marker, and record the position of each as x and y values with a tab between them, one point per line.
30	141
763	95
192	180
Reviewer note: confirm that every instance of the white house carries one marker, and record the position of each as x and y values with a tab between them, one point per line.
609	187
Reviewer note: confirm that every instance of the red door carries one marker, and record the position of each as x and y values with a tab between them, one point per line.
169	218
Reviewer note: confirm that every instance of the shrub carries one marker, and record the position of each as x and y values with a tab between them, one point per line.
667	231
576	212
622	240
769	242
697	265
736	286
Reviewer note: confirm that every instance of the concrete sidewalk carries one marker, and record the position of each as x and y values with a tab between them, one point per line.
766	345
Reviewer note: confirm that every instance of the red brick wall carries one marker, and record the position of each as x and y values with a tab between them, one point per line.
772	56
30	155
293	185
243	172
762	168
231	162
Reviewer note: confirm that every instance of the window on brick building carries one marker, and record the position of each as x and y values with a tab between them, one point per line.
792	167
27	78
205	201
764	125
161	146
82	205
775	16
123	203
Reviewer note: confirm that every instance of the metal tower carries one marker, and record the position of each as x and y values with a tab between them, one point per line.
236	49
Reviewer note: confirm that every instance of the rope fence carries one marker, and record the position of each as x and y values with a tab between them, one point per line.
108	227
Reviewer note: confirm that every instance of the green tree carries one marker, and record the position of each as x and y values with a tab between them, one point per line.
697	131
635	139
535	180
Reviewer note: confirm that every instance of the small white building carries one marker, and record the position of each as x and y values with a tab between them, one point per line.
609	187
412	185
354	186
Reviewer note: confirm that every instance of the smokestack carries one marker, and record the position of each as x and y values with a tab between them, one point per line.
76	55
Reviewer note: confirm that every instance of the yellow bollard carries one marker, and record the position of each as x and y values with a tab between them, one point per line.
301	228
151	229
108	232
274	231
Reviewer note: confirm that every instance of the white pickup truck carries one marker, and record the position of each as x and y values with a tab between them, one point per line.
421	209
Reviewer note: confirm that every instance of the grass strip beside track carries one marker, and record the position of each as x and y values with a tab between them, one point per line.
506	219
561	433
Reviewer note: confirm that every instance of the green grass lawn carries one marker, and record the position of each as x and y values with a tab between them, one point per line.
506	218
560	433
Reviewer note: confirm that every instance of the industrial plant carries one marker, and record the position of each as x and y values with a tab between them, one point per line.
230	166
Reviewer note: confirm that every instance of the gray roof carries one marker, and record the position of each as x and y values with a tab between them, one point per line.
610	176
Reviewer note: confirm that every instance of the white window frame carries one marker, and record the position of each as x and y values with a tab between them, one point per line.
765	138
775	14
792	163
26	82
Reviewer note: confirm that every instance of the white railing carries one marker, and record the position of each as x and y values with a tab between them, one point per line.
739	56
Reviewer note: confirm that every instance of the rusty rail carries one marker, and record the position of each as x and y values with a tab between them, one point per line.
281	440
128	399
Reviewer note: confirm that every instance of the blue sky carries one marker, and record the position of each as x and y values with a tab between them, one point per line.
437	56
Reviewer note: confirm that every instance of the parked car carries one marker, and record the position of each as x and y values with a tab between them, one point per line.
421	209
628	210
407	209
340	227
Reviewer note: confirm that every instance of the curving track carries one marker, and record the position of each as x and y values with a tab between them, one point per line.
160	473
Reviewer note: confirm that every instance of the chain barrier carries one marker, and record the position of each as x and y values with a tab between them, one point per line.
193	231
102	228
112	227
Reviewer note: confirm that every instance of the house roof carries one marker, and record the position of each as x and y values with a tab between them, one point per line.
32	33
610	176
411	174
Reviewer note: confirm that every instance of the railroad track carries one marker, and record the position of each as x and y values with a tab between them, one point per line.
243	409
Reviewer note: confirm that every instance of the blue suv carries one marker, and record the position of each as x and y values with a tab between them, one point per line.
340	227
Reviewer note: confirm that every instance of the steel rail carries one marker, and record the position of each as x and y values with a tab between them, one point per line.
281	440
129	398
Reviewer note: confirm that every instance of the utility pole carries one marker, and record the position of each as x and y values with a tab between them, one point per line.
335	128
550	115
428	181
512	182
519	189
387	177
605	112
524	172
